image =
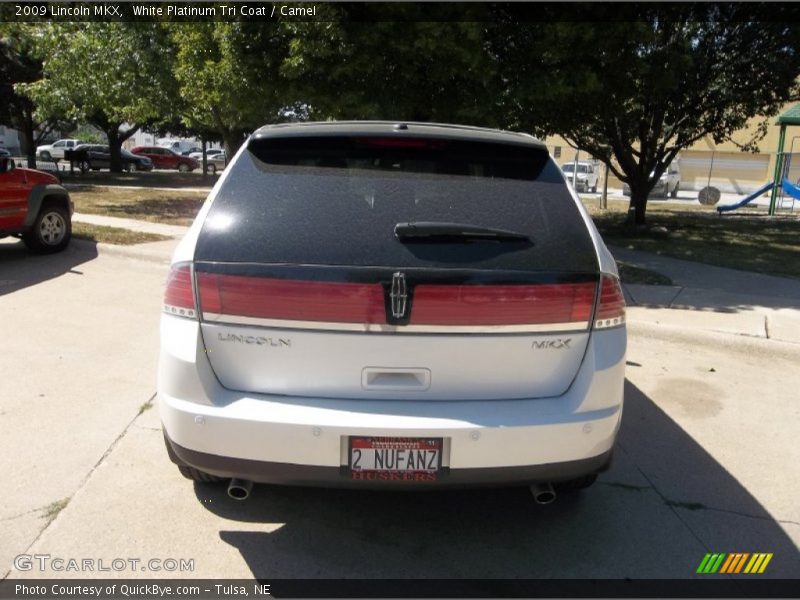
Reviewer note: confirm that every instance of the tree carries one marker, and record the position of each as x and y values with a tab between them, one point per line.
115	76
20	63
391	62
635	90
228	73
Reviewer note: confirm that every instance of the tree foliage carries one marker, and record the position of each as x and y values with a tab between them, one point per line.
631	84
106	74
21	63
635	90
228	76
388	62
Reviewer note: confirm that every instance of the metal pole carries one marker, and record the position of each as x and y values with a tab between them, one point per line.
778	167
786	168
205	160
604	197
575	170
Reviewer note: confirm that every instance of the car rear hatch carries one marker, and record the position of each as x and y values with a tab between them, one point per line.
377	266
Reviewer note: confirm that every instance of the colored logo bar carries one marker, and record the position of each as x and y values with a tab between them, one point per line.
735	562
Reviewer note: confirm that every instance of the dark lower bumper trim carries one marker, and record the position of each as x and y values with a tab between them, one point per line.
306	475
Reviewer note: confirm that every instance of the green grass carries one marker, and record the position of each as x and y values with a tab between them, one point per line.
750	241
159	206
51	510
113	235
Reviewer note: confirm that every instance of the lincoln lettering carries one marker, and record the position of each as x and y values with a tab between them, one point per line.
255	340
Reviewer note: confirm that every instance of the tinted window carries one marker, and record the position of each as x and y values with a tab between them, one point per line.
336	201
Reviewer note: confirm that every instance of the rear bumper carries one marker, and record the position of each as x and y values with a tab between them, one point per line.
309	475
304	440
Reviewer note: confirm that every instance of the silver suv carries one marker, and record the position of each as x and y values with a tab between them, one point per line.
667	184
392	304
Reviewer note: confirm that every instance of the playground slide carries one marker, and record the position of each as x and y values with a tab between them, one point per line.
790	189
748	199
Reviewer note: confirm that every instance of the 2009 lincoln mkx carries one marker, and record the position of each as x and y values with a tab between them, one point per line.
434	291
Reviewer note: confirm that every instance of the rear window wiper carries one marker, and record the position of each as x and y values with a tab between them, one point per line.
434	230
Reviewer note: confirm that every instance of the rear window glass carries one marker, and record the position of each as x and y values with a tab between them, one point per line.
405	155
336	201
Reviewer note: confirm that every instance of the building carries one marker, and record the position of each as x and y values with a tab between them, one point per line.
724	166
10	140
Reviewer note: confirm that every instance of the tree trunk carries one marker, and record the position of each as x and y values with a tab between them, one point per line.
232	141
28	134
115	148
638	205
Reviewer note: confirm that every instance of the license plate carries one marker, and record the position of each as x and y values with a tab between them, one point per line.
395	459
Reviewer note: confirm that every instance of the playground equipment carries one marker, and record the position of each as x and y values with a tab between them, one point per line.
746	200
788	119
792	190
779	181
787	186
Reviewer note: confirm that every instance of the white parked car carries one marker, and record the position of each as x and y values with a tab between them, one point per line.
392	305
584	178
55	151
215	159
209	153
667	185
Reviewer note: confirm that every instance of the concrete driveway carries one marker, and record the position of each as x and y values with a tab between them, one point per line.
707	460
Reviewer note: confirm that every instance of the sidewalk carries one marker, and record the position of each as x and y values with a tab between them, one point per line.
713	298
159	252
132	224
704	298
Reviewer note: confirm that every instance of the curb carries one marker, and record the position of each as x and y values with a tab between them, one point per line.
134	251
737	342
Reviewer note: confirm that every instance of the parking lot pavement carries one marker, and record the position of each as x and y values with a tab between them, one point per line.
707	461
79	354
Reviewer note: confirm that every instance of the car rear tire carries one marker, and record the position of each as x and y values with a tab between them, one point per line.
51	230
674	193
46	156
577	484
594	188
184	168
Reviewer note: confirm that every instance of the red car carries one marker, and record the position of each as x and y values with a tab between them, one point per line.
164	158
34	207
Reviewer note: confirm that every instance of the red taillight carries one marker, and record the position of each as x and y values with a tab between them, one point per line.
179	296
502	304
265	298
611	306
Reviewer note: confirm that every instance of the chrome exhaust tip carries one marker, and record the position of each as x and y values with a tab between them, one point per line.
239	489
543	493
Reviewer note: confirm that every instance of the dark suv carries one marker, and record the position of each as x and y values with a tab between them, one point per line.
392	304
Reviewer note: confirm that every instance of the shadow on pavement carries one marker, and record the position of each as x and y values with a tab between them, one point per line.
653	515
21	268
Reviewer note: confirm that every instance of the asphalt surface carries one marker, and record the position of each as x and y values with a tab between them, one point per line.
707	459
